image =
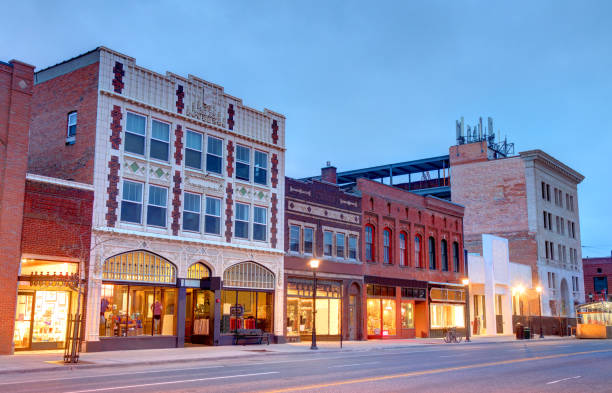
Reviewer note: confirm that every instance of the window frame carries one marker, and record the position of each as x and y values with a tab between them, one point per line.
257	167
456	258
403	248
371	243
444	255
140	203
337	245
242	162
432	253
297	242
312	242
136	134
207	215
186	211
71	136
325	244
214	155
247	221
165	208
387	247
418	251
260	224
167	143
200	152
352	249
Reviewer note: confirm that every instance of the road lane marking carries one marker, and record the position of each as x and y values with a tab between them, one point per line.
561	380
172	382
113	375
354	364
428	372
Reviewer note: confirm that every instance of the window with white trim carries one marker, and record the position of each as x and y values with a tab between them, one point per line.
243	163
193	150
260	172
328	243
135	133
131	202
191	212
308	240
352	247
340	240
241	224
160	140
71	127
212	218
260	222
214	155
294	238
156	208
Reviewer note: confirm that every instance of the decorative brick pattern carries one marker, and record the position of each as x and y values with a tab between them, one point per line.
274	170
180	94
112	191
116	128
230	159
274	131
229	205
274	221
230	117
118	80
178	145
176	203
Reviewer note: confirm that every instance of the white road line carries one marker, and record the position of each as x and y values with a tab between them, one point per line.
354	364
171	382
564	379
112	375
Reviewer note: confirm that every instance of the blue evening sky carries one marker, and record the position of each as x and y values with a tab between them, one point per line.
368	83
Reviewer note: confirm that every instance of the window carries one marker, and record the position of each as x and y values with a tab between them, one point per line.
294	238
548	192
139	266
550	285
567	206
571	205
569	228
369	243
260	223
560	198
308	240
543	190
557	223
387	246
546	248
131	202
573	231
456	257
243	163
135	131
562	226
212	219
418	256
242	221
352	247
191	212
545	219
432	253
160	140
407	315
556	196
214	156
156	209
552	250
444	254
403	249
340	241
261	168
193	150
550	228
71	127
328	240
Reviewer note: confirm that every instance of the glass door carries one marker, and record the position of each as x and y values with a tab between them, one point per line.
50	319
23	321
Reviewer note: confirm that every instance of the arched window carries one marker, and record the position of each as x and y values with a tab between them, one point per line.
456	257
418	254
432	253
248	275
369	243
198	271
139	266
444	254
403	248
387	252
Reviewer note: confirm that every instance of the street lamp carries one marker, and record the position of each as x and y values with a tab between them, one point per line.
466	284
539	290
314	265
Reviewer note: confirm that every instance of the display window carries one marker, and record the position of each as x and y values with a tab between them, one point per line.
407	315
300	310
382	317
246	310
446	315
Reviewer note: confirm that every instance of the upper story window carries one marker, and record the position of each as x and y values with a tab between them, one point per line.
243	163
294	238
543	190
328	243
212	218
214	155
191	212
131	202
548	192
369	243
260	221
352	247
387	246
156	208
160	140
193	150
340	240
418	251
444	254
456	257
261	168
242	221
432	253
135	133
403	261
308	240
71	128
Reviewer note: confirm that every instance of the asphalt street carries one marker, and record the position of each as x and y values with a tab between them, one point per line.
522	366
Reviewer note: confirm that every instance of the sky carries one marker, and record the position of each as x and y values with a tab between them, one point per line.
370	83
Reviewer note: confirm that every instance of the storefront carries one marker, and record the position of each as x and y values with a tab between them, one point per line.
247	300
446	308
199	304
300	308
46	299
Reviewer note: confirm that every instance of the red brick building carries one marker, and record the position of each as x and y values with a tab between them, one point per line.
16	80
597	278
413	262
324	222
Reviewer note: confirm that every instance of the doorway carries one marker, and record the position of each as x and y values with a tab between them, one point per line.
199	314
41	319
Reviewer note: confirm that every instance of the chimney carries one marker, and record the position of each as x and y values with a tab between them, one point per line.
328	173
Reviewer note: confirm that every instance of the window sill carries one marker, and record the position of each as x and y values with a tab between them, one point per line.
134	155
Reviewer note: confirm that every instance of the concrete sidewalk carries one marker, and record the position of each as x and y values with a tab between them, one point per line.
25	362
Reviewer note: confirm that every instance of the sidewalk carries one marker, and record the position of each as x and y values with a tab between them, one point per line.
52	360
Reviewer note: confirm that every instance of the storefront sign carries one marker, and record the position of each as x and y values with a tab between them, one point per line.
447	295
189	283
52	280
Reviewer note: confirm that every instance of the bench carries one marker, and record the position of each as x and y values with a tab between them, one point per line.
248	334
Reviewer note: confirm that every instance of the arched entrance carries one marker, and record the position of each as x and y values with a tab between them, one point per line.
565	298
354	312
199	306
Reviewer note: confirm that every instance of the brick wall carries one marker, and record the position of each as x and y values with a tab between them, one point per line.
590	268
16	80
51	102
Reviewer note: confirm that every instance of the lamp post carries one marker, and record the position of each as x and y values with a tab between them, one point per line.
314	265
466	283
539	290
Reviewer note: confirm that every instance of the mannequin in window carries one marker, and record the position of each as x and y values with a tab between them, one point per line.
157	312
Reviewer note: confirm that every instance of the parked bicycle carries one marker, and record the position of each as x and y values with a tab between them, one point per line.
451	336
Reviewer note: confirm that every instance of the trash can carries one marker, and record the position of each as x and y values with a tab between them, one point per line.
527	333
520	331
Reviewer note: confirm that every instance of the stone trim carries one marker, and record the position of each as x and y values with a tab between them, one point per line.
112	191
115	138
58	182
